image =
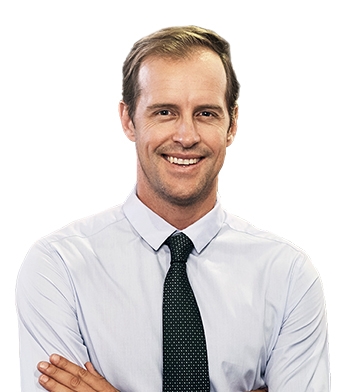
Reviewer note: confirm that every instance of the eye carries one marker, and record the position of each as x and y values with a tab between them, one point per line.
206	114
164	112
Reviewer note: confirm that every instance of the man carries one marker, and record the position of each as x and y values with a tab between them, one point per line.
93	291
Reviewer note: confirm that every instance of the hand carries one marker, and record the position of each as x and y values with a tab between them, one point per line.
261	390
61	375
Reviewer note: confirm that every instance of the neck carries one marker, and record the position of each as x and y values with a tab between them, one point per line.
179	216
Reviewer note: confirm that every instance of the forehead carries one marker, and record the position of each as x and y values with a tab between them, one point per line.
200	73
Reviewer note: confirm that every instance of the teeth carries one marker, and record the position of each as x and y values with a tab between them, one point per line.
184	162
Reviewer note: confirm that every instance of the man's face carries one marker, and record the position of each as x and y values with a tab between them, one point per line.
181	128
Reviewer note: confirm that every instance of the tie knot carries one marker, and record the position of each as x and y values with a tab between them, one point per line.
180	247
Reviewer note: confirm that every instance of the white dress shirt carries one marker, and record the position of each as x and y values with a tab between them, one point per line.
92	291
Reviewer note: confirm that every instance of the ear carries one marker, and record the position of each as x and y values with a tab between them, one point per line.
233	128
127	123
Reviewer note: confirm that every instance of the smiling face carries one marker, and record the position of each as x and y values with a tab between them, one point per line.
181	129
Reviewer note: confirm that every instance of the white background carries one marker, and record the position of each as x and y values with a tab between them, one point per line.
64	156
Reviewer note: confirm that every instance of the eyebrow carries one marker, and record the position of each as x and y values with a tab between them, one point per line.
158	106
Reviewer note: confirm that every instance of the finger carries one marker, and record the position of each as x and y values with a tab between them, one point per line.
68	366
65	376
51	385
89	366
75	377
100	383
93	378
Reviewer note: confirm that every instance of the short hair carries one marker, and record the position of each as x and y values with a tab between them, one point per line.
177	42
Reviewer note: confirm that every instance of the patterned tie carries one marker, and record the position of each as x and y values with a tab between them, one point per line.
185	363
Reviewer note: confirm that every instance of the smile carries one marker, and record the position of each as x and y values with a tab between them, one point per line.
183	162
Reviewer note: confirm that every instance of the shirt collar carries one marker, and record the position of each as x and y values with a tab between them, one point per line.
155	230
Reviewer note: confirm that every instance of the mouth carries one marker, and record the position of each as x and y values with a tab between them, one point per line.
182	161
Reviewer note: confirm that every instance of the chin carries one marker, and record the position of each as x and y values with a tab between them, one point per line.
185	198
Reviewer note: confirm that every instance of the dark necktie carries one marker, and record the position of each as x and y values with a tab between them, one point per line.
185	363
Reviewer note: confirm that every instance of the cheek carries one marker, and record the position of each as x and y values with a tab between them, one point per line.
150	138
216	142
146	144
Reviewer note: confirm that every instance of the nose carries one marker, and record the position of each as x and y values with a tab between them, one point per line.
186	132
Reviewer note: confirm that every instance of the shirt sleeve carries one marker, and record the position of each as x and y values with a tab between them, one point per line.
46	312
299	361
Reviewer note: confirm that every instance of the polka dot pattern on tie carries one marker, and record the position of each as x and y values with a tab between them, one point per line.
185	364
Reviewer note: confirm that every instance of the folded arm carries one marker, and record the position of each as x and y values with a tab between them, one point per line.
61	375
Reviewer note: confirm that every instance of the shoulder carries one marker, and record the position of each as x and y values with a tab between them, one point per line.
240	228
81	231
265	247
88	226
284	264
74	239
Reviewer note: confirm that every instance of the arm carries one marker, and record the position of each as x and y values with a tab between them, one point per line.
46	310
299	359
61	375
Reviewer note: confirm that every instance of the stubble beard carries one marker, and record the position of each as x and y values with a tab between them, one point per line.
168	194
197	196
171	196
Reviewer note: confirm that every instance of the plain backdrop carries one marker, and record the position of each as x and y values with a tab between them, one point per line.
63	154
